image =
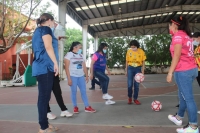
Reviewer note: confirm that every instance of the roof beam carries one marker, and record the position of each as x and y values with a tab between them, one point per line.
146	27
141	13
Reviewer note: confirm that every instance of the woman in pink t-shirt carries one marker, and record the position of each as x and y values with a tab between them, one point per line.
185	71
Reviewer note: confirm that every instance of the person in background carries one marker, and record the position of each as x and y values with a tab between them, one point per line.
58	95
94	81
76	69
97	69
135	63
185	70
45	66
196	42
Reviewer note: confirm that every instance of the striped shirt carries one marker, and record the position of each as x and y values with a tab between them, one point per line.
197	56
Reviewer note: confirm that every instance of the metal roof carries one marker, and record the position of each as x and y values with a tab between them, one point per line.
109	18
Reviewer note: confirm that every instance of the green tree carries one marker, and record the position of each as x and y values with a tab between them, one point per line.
72	36
15	16
157	49
116	51
13	22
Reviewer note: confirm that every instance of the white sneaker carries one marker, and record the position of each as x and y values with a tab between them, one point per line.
107	96
109	102
198	112
173	119
187	129
51	116
66	113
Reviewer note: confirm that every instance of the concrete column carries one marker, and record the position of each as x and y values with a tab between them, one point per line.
96	38
62	19
85	33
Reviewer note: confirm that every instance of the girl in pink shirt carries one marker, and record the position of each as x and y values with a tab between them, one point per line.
184	68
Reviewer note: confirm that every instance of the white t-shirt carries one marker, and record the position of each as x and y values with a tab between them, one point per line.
76	64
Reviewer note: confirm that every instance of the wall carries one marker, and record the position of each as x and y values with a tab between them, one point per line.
8	58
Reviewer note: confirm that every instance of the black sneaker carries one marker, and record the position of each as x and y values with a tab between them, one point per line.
91	88
177	106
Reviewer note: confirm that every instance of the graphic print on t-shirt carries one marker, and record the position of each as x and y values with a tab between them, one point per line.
78	64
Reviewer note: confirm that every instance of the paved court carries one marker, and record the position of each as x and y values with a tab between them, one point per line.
19	111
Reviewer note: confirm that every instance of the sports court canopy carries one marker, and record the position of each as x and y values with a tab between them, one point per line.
110	18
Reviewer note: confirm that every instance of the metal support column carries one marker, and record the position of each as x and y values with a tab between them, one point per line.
62	19
85	33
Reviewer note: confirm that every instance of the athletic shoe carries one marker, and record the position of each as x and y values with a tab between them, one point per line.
187	129
66	113
177	106
107	96
90	109
130	100
109	102
137	102
175	120
51	116
76	110
198	112
91	88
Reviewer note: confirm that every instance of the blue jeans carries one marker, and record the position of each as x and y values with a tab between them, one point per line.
132	71
80	82
45	85
103	79
184	81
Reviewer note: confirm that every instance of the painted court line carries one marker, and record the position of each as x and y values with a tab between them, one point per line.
105	125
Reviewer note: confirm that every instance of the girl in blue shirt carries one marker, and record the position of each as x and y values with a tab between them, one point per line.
97	69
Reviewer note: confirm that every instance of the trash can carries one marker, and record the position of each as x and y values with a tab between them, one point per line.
28	79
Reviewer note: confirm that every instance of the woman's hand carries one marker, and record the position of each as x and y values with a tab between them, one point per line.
169	78
56	70
69	82
86	79
109	72
126	73
91	76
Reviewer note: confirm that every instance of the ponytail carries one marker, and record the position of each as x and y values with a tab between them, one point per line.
182	24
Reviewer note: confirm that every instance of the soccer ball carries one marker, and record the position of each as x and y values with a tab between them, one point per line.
139	77
156	105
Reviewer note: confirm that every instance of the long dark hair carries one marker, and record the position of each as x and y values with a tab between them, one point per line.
182	24
43	18
73	45
101	46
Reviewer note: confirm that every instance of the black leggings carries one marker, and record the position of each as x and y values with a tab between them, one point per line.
58	94
198	78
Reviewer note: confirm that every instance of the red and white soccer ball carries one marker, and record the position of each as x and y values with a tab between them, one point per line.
156	105
139	77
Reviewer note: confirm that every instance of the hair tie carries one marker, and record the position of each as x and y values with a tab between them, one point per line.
181	18
175	22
